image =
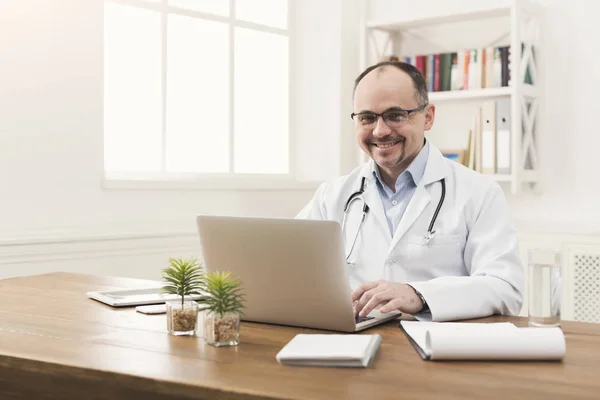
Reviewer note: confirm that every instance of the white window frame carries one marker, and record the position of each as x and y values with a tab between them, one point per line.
210	181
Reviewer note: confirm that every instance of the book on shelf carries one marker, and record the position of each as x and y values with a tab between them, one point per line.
466	69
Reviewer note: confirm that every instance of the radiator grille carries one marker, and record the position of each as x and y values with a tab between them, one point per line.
586	287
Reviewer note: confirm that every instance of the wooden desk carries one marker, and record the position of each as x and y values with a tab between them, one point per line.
55	343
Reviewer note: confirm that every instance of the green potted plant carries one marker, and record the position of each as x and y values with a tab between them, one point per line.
184	278
222	307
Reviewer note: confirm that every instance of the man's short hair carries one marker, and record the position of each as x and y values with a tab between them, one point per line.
419	83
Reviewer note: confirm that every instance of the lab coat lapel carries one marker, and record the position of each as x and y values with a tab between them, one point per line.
434	171
417	204
372	197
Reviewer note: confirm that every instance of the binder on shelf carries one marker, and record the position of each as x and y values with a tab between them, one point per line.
503	127
488	137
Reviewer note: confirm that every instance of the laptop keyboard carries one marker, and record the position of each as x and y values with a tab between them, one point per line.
362	319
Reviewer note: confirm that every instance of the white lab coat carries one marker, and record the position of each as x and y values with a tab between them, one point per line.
471	268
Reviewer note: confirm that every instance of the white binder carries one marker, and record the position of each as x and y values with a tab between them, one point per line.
488	137
503	127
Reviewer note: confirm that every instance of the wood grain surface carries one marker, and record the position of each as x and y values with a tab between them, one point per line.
55	343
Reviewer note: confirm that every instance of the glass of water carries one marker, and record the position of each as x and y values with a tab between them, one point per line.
544	287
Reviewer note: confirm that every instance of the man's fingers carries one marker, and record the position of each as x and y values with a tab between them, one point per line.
358	292
376	300
366	297
393	305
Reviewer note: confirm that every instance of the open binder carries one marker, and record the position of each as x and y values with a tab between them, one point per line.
483	341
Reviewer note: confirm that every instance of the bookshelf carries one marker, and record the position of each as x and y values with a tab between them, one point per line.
520	34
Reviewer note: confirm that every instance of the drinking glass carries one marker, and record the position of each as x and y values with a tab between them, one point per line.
544	287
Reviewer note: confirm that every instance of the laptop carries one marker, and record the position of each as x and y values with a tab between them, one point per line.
292	270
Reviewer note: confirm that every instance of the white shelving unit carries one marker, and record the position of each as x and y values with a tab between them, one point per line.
522	29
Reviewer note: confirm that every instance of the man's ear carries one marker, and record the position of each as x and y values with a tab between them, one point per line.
429	116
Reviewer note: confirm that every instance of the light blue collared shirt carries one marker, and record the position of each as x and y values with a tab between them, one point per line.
394	204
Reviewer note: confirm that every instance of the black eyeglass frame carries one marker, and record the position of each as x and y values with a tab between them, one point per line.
393	110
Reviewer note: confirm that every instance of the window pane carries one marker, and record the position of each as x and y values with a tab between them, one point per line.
132	89
218	7
197	95
267	12
261	102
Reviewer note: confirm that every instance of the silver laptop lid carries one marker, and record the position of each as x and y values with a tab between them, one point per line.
293	271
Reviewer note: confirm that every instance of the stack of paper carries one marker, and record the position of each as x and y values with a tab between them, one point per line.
484	341
333	350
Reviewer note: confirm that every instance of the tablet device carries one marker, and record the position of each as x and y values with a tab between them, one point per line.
134	297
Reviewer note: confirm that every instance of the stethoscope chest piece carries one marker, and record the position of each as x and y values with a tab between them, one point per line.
428	236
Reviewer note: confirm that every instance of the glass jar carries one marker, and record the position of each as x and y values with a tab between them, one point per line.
222	329
182	318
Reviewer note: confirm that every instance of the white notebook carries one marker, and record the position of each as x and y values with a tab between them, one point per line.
484	341
333	350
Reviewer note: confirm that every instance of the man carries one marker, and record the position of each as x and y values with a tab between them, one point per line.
432	238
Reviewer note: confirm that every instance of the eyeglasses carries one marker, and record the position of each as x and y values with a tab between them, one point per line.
393	117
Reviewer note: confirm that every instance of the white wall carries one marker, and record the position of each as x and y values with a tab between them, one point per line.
571	190
567	201
326	63
55	213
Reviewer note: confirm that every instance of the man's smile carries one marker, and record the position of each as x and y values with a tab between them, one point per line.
387	144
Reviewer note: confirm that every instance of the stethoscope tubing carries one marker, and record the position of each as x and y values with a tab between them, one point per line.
365	209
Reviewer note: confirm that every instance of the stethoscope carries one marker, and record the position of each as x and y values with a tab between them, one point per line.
365	209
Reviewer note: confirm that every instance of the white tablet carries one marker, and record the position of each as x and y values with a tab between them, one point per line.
133	297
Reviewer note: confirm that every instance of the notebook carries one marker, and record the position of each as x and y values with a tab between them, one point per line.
484	341
331	350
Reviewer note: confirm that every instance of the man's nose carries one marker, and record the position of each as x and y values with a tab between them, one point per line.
381	128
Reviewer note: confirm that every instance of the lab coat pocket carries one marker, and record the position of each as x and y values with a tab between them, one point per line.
437	240
442	255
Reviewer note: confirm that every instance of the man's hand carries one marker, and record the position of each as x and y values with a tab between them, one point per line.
385	296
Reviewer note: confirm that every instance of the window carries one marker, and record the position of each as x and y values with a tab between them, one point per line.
195	88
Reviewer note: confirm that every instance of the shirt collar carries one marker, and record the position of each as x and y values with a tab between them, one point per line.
415	170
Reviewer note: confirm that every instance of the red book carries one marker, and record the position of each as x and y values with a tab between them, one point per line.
420	64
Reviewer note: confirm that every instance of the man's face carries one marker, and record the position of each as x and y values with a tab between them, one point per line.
395	143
